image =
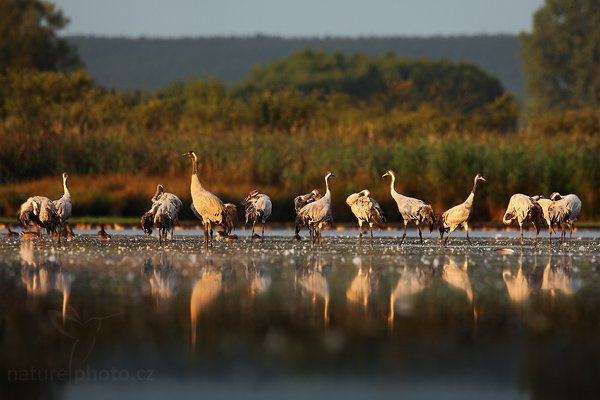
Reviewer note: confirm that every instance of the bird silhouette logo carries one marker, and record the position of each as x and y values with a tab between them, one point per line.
82	332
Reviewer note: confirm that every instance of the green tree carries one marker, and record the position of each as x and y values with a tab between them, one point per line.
28	37
562	55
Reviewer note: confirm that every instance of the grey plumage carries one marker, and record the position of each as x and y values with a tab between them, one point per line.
39	211
366	210
459	215
545	204
164	213
411	209
258	208
209	207
317	214
564	211
299	202
165	219
229	217
524	209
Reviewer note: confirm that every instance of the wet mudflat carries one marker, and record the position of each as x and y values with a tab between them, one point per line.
278	319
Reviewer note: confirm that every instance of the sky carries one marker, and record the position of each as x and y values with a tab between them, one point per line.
178	18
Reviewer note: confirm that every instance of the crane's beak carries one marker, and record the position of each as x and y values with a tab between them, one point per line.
482	178
185	154
386	174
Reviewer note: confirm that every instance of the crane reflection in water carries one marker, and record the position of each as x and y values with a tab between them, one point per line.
205	290
312	280
41	274
412	280
162	278
364	284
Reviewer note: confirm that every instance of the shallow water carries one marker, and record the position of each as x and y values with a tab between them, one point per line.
278	319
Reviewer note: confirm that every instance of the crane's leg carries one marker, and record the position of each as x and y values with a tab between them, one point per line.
448	236
252	235
466	226
420	234
550	232
404	235
360	229
205	226
263	229
571	227
521	236
562	234
172	228
371	228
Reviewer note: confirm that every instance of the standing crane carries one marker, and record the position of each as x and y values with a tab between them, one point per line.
459	215
63	205
165	219
545	204
299	202
258	207
412	210
525	210
365	209
164	213
564	210
208	206
39	211
318	213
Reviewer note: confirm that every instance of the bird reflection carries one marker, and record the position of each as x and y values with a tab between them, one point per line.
518	285
559	278
312	280
364	284
458	277
411	282
259	279
40	274
162	278
206	289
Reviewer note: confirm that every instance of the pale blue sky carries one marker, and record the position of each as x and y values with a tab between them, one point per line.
175	18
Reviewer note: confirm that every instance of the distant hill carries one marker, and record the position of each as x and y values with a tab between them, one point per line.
150	64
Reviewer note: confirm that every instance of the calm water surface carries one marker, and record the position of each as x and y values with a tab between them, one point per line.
276	319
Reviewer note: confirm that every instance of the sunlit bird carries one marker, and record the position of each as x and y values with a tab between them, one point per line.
564	211
40	212
164	214
258	208
459	215
411	209
524	209
366	210
318	213
209	208
63	205
299	202
545	204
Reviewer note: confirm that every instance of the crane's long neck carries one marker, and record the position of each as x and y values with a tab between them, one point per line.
195	174
67	194
472	194
392	186
327	191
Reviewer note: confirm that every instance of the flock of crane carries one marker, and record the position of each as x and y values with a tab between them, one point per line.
313	211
